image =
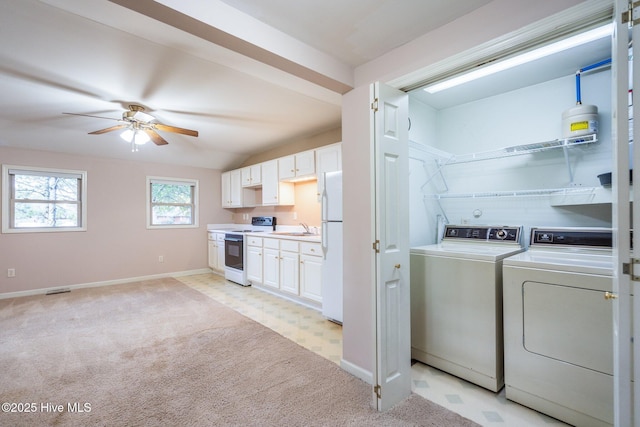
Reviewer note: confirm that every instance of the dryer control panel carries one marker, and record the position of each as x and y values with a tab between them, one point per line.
483	233
575	237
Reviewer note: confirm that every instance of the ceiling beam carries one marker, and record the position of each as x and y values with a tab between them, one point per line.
335	76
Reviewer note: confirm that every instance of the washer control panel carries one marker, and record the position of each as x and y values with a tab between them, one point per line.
483	233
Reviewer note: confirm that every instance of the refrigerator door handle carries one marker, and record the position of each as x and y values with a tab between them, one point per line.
323	203
323	239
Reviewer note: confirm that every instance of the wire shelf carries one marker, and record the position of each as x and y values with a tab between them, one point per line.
519	150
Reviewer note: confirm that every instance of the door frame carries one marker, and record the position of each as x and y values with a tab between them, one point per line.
625	397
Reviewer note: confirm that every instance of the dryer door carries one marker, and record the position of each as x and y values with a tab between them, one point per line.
568	324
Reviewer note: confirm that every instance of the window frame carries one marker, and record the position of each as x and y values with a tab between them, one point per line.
8	201
194	183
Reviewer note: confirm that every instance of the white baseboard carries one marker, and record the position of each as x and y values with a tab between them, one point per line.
357	371
102	283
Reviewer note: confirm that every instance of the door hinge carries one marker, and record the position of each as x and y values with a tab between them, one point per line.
374	105
629	269
378	391
630	15
376	246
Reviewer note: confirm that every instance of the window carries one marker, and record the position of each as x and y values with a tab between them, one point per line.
43	200
172	202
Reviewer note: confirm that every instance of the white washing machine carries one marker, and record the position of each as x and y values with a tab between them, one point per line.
456	302
558	326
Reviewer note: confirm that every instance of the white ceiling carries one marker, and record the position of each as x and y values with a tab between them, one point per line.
96	57
249	75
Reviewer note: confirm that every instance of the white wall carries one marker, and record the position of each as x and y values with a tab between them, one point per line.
117	244
525	116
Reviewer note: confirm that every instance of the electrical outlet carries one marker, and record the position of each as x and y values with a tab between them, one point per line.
295	215
160	258
11	272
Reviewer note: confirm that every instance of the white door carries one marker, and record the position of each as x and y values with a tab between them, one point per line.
306	163
226	189
625	397
289	272
271	267
390	118
254	264
270	182
311	277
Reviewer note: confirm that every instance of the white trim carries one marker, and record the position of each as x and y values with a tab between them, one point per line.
103	283
6	194
579	18
357	371
167	180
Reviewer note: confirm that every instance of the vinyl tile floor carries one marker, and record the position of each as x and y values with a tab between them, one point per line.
307	327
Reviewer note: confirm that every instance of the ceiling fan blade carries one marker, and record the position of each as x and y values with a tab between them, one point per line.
89	115
112	128
157	139
174	129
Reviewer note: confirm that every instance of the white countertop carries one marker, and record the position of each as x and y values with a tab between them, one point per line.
278	235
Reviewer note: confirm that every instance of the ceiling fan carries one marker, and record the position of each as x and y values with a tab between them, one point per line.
139	127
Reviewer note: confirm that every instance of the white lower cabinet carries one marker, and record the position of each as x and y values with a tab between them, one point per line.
254	259
290	266
310	271
271	263
213	255
220	240
216	248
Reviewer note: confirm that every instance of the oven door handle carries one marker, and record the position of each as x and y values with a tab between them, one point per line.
233	240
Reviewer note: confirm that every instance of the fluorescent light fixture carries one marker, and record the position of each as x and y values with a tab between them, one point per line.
577	40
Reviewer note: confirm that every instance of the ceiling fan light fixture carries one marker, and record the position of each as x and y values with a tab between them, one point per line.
141	137
127	135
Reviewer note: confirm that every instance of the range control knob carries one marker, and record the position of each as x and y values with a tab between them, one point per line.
502	234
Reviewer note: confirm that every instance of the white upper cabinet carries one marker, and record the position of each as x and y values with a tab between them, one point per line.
275	192
328	159
232	189
252	176
297	165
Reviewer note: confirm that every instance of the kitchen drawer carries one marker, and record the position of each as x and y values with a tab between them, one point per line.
289	245
271	243
254	241
308	248
220	238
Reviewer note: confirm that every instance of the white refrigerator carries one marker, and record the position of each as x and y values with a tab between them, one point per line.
332	246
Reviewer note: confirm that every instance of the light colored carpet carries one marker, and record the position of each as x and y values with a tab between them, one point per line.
160	353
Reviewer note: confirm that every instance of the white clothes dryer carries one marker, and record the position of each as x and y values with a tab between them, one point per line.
456	302
558	326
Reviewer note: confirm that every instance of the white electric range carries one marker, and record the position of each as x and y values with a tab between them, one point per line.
235	250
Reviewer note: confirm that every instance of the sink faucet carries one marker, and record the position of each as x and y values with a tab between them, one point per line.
306	227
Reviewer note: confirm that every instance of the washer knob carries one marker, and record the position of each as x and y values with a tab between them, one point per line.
502	234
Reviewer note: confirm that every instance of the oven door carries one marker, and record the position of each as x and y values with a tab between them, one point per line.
233	251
